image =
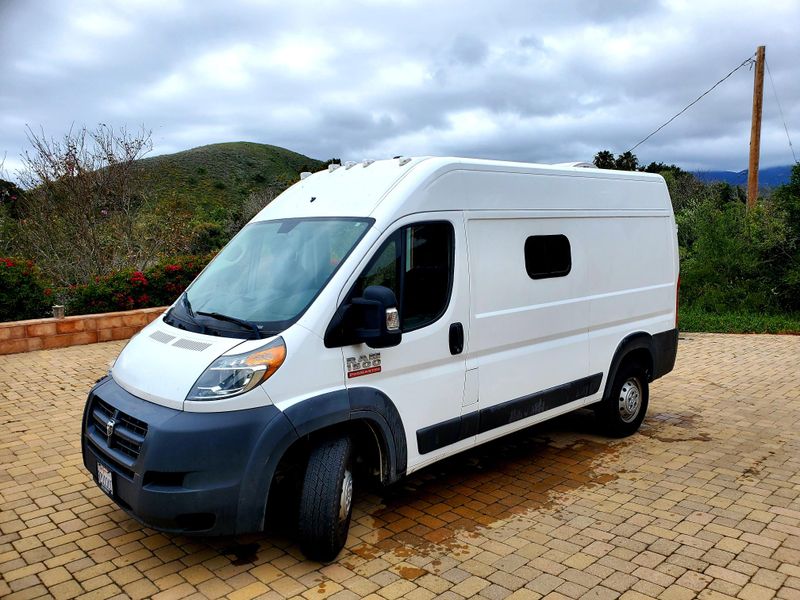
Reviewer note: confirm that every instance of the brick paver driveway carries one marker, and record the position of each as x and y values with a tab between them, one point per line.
703	501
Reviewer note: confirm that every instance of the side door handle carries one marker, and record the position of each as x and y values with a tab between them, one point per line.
456	338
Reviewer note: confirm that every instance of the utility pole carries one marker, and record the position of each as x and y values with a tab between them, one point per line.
755	129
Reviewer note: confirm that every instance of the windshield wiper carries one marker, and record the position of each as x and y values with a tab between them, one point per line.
186	304
241	322
183	300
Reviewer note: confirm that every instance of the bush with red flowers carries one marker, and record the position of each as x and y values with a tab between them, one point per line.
128	289
23	292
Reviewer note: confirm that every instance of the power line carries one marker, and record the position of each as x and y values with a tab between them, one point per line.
748	61
778	102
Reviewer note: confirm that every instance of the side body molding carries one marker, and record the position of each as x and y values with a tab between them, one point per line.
361	403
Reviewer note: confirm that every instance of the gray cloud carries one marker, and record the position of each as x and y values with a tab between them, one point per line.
509	79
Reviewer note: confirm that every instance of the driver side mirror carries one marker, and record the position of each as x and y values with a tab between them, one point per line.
374	318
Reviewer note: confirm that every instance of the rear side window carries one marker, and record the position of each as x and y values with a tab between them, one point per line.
547	256
416	263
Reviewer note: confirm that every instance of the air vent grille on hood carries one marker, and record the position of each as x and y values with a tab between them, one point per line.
162	337
165	338
191	345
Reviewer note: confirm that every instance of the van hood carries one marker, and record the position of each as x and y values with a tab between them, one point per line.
161	363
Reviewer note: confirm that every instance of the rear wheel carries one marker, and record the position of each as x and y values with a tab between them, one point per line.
623	411
326	499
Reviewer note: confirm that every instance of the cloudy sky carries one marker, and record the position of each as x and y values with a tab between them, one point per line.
509	79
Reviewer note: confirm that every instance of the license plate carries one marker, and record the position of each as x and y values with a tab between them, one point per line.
105	479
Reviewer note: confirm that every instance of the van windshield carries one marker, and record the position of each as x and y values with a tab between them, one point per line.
268	275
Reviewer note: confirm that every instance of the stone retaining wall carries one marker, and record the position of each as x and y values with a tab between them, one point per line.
42	334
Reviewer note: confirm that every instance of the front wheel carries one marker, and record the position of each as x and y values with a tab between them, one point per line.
326	499
623	411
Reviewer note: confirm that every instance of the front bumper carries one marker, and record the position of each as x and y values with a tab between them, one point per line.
179	471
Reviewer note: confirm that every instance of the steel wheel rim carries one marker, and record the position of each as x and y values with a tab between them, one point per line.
346	498
630	399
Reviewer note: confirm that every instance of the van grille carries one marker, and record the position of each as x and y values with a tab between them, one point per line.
124	444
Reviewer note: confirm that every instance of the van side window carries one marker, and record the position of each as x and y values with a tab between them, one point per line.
547	256
416	263
385	268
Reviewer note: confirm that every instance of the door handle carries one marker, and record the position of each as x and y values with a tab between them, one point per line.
456	338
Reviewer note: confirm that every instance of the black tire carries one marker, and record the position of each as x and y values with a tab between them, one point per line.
617	415
326	500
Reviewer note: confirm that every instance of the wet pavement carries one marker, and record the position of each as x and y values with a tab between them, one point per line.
702	502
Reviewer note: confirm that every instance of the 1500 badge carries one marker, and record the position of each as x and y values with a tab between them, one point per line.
366	364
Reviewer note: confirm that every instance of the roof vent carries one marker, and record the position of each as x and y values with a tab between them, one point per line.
333	167
305	174
582	165
367	162
349	164
404	161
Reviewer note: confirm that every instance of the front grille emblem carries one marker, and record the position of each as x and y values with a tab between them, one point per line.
110	427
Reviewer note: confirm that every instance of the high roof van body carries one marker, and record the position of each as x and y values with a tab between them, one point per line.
378	317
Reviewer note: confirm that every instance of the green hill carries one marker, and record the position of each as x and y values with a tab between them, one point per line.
215	180
189	202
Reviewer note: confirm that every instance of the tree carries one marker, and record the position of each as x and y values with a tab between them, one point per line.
253	205
605	160
626	161
10	192
661	168
77	218
10	197
787	200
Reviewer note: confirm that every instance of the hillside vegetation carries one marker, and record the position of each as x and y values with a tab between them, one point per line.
216	180
90	204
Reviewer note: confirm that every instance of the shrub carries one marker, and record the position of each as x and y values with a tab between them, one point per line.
787	199
83	194
207	237
736	257
23	292
735	260
129	289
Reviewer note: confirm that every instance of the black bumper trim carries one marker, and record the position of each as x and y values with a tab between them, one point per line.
665	350
226	459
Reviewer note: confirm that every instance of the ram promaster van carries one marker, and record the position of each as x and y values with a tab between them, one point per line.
376	318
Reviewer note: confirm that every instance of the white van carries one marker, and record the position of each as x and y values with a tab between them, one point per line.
376	318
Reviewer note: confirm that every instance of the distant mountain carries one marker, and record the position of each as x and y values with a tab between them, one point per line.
770	177
215	179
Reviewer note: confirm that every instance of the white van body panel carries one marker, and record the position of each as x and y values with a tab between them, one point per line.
341	193
321	372
523	330
174	360
421	369
521	335
639	297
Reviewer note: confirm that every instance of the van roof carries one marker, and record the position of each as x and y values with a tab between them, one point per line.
356	189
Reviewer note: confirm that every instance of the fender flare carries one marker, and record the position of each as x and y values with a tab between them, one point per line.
307	417
632	342
360	403
276	438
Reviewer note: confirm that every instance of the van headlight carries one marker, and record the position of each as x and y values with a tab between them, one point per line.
232	375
